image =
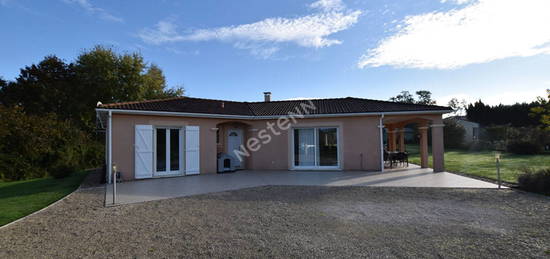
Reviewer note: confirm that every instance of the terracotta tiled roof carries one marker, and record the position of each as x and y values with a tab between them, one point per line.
273	108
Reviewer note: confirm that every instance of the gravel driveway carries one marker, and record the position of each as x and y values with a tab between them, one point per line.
292	222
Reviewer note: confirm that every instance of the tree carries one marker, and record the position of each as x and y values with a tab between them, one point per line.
424	97
106	76
453	135
458	106
3	83
517	115
403	97
71	90
48	113
42	88
155	85
34	146
542	110
3	86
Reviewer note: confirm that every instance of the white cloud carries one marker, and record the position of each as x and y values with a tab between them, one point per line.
307	31
328	5
262	38
262	51
459	2
102	13
164	31
480	32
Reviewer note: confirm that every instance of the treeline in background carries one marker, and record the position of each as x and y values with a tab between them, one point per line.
520	128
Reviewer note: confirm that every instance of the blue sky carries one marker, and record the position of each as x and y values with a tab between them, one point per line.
496	50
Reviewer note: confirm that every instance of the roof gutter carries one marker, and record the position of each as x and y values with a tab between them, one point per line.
248	117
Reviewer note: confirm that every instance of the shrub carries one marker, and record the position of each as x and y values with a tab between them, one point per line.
63	170
535	181
524	148
37	146
453	135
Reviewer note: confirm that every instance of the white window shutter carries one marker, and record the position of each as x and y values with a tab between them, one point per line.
143	147
192	150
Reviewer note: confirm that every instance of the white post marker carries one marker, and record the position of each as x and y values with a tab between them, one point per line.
497	158
114	183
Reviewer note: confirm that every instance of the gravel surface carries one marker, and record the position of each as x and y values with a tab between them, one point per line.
292	221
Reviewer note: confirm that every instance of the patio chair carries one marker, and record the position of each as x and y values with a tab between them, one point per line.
402	158
389	158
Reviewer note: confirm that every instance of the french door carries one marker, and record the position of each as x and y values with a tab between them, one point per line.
316	148
168	151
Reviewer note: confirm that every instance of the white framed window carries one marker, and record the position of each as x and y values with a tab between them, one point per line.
168	151
315	148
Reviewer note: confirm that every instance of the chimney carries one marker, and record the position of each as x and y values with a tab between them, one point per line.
267	96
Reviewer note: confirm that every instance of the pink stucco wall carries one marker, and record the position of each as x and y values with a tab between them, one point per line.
358	137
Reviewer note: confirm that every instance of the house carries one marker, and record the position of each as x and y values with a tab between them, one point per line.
188	136
471	128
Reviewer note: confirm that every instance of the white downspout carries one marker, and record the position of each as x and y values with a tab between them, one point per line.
381	128
110	147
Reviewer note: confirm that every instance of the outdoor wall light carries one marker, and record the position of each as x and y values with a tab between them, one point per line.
497	156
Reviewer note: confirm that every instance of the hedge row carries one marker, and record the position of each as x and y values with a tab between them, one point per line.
38	146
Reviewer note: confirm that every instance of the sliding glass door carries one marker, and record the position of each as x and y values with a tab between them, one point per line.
316	148
328	147
304	147
168	158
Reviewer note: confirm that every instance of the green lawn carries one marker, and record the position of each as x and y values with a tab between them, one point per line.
482	163
21	198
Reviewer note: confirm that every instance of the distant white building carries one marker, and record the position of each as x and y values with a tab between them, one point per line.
472	128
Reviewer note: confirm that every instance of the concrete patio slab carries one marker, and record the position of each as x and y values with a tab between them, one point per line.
163	188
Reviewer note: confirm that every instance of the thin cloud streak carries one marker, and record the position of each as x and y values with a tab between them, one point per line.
163	32
102	13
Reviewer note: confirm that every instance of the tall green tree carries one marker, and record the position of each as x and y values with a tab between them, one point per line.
517	115
403	97
46	87
106	76
72	90
3	86
155	85
423	97
458	106
3	83
48	113
542	110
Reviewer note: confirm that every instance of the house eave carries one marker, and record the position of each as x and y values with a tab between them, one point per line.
250	117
